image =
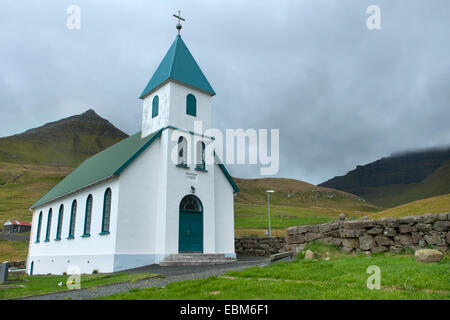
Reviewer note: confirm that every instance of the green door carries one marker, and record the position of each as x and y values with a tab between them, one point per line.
191	225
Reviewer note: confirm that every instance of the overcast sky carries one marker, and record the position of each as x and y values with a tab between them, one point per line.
340	94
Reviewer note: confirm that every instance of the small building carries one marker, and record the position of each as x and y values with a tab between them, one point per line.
16	226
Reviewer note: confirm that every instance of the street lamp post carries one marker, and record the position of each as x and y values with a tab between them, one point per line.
268	209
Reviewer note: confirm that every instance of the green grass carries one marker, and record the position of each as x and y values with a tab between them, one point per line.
341	277
247	217
35	285
420	207
22	184
13	250
293	203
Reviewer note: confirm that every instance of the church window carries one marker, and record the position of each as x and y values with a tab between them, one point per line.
191	105
60	221
191	203
200	156
182	154
155	106
38	231
49	225
73	216
87	217
106	211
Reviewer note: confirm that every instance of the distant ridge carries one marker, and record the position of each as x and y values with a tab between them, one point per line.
399	178
66	142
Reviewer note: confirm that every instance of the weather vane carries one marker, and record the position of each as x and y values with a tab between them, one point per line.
179	26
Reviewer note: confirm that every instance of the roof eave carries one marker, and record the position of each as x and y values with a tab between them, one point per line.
211	93
115	174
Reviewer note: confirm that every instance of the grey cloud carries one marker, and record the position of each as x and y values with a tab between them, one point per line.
340	94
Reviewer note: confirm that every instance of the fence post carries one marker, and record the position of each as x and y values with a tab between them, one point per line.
4	269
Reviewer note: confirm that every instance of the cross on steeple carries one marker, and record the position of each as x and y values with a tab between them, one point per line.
179	21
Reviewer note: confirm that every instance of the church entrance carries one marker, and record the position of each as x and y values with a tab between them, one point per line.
191	225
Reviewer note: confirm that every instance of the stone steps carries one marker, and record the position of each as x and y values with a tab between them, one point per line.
195	259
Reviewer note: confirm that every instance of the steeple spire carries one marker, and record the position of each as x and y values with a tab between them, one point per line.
179	26
179	65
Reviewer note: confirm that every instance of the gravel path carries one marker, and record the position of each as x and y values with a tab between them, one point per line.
171	274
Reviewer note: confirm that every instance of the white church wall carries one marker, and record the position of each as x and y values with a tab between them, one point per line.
139	207
149	124
179	182
172	109
224	203
87	253
178	117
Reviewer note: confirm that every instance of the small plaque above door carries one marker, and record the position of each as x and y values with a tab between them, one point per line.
191	177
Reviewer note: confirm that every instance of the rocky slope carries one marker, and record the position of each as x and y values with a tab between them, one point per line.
66	142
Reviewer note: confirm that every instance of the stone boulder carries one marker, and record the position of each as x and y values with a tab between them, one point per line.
309	255
345	233
350	243
380	249
390	232
384	241
441	225
354	225
376	230
366	242
428	255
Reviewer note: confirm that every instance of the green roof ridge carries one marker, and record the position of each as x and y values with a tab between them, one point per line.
105	164
178	64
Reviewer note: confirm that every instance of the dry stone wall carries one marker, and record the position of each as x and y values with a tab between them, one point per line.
259	246
387	234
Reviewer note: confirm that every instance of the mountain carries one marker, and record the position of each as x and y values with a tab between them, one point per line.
66	142
398	179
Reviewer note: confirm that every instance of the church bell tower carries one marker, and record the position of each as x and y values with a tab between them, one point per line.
178	93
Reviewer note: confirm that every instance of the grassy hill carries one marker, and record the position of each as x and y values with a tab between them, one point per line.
293	203
437	204
399	179
23	184
66	142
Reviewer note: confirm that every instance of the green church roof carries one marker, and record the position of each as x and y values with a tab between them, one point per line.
178	64
106	164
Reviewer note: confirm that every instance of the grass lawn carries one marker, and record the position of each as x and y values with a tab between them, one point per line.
341	277
253	219
13	250
430	205
44	284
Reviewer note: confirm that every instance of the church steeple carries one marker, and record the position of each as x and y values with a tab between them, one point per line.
180	66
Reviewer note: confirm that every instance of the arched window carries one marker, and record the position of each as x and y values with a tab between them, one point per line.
106	211
182	152
200	160
38	230
60	221
73	216
87	217
191	105
49	225
155	106
191	203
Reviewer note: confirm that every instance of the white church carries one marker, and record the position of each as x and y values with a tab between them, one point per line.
132	205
